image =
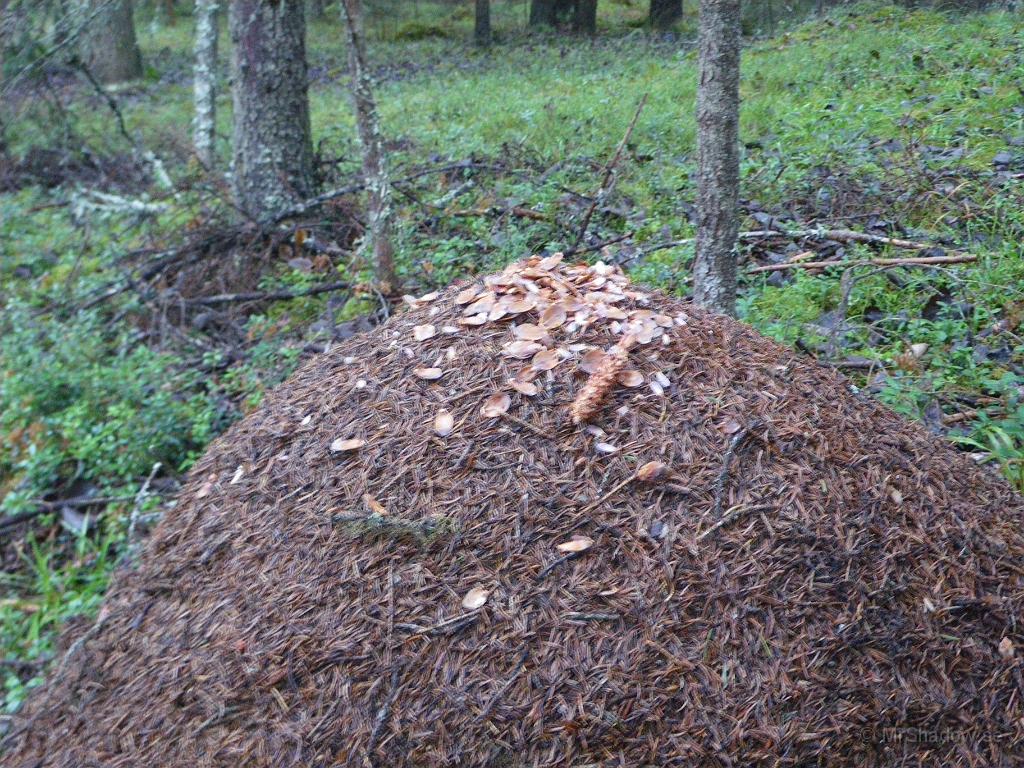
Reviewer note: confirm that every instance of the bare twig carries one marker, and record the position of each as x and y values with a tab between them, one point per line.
731	515
446	627
140	499
555	563
104	94
727	457
383	713
609	175
526	425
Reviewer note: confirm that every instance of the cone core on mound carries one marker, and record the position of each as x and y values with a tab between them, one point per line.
733	559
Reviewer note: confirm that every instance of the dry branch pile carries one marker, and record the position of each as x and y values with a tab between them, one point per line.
413	556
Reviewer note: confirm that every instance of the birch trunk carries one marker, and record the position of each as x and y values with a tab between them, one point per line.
204	82
107	45
483	23
273	148
375	169
714	283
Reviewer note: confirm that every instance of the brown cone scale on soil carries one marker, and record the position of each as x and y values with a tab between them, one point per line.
808	580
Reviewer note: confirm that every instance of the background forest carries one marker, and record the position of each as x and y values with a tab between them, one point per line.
141	312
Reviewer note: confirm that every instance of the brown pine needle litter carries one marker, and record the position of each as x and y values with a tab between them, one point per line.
447	587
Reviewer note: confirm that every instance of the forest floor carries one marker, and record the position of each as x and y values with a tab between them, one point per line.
896	124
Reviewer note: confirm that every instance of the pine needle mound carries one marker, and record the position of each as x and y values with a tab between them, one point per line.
412	556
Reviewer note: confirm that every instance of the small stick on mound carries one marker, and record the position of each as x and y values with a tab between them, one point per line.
590	399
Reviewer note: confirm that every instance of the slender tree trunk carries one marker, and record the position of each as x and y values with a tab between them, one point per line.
665	13
718	169
483	23
273	148
108	46
316	9
3	45
204	82
375	167
585	17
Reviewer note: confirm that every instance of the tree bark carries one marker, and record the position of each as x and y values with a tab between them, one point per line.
550	12
483	23
665	13
3	45
204	84
717	155
273	148
585	18
108	47
375	169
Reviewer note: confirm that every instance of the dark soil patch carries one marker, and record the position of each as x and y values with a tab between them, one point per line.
815	581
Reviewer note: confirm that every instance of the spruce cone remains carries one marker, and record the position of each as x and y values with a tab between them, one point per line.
590	399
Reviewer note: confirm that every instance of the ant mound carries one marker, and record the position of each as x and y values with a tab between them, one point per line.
548	519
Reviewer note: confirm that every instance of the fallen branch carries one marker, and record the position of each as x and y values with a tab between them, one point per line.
43	507
515	210
231	298
921	261
839	235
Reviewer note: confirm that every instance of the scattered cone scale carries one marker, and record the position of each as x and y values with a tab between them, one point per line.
732	559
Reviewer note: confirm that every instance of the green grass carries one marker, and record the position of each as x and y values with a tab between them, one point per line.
841	109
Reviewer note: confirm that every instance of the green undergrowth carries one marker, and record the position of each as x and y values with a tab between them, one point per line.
870	113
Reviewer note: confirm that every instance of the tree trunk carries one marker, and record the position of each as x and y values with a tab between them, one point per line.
542	13
483	23
3	46
273	148
204	82
375	169
665	13
550	12
316	9
718	168
585	19
107	44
